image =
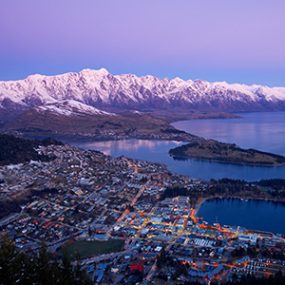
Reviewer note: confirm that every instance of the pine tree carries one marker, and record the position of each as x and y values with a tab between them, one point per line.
43	265
10	262
66	272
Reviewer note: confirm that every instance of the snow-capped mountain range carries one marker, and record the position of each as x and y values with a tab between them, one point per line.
91	91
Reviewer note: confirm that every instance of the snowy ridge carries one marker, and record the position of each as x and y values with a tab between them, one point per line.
100	89
71	107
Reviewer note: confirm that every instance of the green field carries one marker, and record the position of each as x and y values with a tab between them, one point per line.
91	248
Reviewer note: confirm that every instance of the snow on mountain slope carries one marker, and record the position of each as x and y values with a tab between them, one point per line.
100	89
71	107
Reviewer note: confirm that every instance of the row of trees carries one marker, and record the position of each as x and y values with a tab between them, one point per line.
41	268
232	187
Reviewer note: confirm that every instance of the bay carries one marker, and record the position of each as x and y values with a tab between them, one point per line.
262	131
252	214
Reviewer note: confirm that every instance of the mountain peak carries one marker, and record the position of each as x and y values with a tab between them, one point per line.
35	77
103	70
93	72
102	90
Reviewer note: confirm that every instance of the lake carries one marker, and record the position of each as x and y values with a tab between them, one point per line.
263	131
252	214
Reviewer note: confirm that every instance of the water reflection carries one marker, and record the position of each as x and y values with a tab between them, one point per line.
157	151
118	148
251	214
263	131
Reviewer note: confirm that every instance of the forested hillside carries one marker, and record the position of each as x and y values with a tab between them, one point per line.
15	150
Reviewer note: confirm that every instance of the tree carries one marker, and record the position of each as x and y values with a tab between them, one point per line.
41	268
10	262
78	269
66	271
43	265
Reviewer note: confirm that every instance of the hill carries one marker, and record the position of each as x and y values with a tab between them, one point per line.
227	153
15	150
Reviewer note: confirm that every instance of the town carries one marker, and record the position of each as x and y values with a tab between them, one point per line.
115	213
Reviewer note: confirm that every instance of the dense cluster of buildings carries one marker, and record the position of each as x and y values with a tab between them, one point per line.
85	195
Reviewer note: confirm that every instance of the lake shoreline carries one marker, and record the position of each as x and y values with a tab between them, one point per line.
212	150
203	200
223	162
264	131
250	228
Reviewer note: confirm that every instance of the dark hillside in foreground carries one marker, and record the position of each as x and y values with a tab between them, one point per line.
15	150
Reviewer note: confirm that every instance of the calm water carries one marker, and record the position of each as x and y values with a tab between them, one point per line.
251	214
264	131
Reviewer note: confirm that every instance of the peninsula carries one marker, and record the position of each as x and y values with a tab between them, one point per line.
226	153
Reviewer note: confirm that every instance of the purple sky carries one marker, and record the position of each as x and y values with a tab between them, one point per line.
235	41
